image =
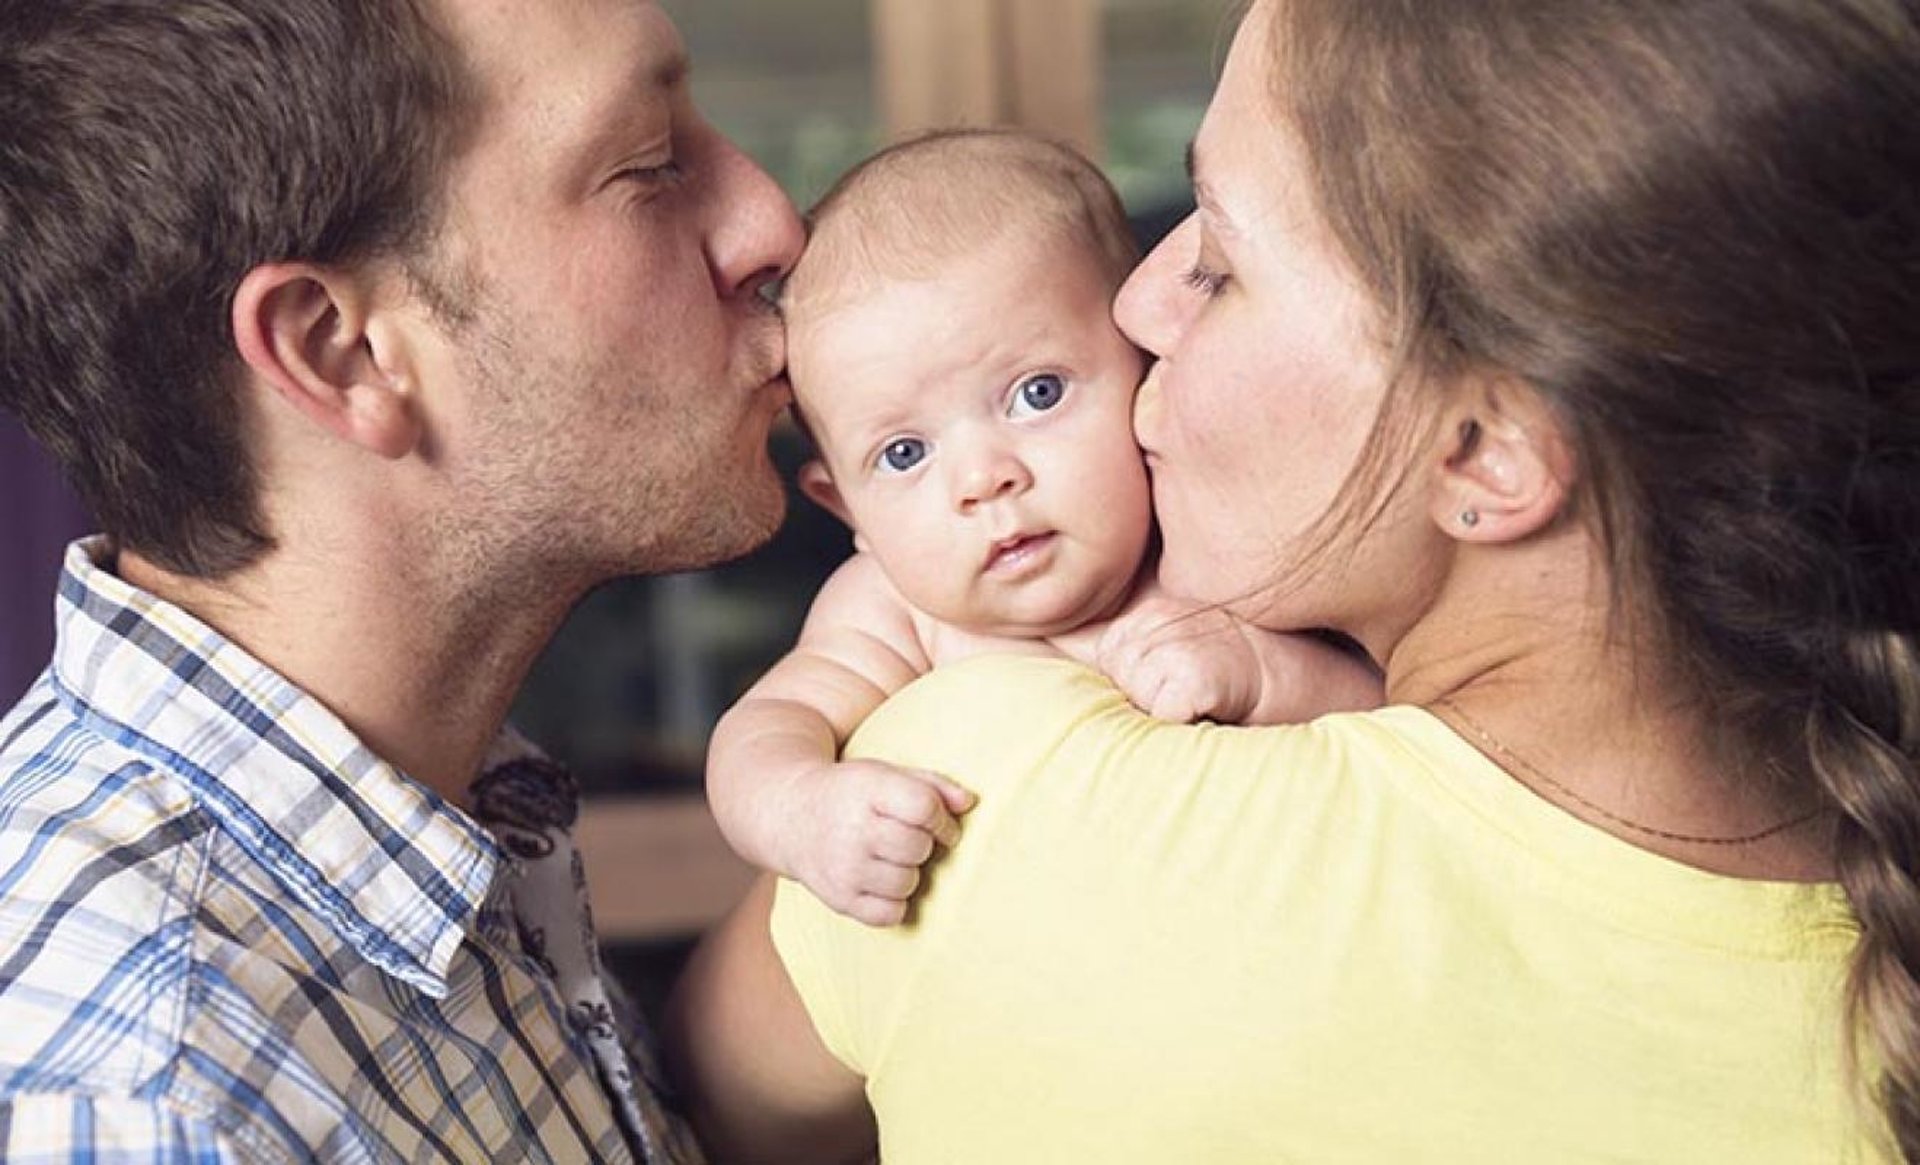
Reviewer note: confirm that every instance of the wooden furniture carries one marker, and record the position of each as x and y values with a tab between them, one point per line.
1031	63
657	865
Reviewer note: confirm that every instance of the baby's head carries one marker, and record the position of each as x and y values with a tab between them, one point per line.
953	355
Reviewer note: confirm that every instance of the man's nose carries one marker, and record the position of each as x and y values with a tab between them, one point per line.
755	235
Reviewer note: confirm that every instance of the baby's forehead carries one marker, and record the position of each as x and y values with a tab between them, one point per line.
839	278
874	343
931	321
855	369
848	262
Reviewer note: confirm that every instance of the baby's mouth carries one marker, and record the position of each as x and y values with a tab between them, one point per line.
1012	554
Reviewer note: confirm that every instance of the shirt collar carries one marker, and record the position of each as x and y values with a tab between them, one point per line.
399	872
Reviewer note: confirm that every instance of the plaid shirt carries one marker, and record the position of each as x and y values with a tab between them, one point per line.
228	931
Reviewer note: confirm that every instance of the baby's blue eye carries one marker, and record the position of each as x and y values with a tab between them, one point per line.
902	454
1038	394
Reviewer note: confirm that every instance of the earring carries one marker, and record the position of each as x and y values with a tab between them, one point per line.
1469	518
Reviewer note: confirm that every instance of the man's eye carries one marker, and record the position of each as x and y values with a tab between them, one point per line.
902	454
665	174
1037	394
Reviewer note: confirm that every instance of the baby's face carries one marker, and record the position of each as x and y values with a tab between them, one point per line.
978	429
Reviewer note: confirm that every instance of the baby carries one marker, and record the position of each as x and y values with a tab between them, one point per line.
954	358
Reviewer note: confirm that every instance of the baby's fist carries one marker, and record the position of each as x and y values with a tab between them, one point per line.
1182	663
873	826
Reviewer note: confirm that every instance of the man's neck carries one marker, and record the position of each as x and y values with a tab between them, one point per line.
419	663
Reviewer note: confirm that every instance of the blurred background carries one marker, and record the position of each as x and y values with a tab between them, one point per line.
634	682
809	87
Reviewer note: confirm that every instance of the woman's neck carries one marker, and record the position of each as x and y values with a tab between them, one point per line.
1520	655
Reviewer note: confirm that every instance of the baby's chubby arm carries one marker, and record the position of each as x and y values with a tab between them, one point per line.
1180	660
856	832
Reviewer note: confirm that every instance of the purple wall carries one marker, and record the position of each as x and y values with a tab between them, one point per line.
38	516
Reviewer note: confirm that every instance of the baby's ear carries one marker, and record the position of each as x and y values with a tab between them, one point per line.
817	484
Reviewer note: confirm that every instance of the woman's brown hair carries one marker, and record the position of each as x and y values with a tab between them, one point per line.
1693	226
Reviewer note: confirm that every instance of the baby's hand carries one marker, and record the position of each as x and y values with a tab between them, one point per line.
1180	662
864	829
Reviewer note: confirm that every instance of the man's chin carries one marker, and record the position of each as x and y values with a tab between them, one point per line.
757	529
741	521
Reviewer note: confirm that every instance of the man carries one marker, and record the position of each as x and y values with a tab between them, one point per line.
374	333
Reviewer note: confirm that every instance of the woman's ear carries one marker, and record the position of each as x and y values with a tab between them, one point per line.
1505	470
316	336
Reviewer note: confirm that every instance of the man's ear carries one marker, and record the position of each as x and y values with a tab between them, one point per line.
1505	469
314	334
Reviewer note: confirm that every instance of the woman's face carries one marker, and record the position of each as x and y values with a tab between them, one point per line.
1269	374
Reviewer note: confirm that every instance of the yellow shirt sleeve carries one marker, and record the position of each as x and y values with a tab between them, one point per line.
848	973
1350	941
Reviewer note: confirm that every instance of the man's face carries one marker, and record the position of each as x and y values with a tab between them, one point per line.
619	369
977	427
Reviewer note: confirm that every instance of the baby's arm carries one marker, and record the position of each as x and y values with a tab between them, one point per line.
857	832
1181	661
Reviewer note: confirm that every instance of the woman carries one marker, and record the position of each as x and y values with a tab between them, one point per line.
1566	355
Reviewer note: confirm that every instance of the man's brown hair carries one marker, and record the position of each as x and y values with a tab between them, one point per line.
150	156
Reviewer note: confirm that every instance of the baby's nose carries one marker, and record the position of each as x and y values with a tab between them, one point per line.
992	474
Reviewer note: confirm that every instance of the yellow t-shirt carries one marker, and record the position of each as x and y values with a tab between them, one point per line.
1350	941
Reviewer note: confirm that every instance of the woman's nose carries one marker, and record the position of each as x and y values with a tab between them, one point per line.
1147	407
1152	306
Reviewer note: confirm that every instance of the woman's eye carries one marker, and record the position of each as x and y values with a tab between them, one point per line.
1206	282
1037	394
902	454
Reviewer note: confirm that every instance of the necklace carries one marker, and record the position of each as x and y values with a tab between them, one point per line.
1514	760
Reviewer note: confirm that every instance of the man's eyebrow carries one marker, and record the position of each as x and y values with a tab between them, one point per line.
671	72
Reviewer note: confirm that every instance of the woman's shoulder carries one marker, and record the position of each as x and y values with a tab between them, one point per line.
991	681
986	712
994	717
